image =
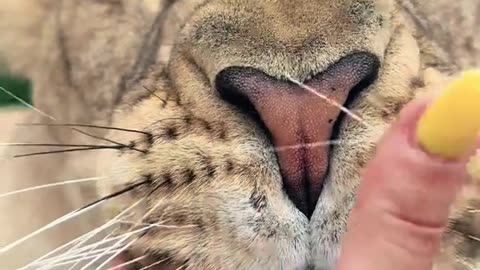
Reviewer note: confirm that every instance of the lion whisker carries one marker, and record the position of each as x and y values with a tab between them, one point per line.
316	144
70	215
80	239
72	257
115	220
51	145
180	267
42	258
126	237
88	235
474	238
107	240
56	222
160	225
128	263
108	140
72	148
86	251
118	193
72	125
155	95
27	104
87	126
95	246
332	102
118	252
35	188
50	266
67	151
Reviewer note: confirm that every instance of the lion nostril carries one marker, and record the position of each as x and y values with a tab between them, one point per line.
297	120
229	83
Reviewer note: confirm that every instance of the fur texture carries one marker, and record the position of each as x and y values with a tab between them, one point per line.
212	167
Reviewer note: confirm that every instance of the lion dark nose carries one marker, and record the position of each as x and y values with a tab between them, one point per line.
299	122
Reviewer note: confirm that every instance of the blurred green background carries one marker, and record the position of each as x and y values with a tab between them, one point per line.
20	87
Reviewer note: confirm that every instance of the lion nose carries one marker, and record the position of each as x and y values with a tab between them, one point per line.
300	119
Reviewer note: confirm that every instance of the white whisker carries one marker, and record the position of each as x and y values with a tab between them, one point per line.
124	238
69	182
117	253
39	260
116	219
88	236
155	207
99	253
307	145
180	267
88	250
72	258
128	263
96	245
332	102
50	266
56	222
27	104
317	144
44	257
474	238
102	242
159	225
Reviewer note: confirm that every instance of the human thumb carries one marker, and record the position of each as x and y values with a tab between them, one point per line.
403	202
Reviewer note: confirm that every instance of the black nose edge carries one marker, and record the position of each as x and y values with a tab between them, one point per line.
276	105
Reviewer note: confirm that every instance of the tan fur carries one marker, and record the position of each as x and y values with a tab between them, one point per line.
94	59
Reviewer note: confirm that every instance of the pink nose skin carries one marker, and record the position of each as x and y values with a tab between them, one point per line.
296	119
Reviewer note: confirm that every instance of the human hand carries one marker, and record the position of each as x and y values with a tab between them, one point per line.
403	202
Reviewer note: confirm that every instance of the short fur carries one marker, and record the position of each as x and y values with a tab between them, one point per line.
210	166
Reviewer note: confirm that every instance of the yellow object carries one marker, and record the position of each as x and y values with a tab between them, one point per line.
451	125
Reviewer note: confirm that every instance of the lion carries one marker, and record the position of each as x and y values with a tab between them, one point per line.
214	134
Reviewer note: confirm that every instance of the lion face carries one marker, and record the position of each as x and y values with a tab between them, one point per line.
247	165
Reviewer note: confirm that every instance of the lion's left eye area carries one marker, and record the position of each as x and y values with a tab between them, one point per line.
296	118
